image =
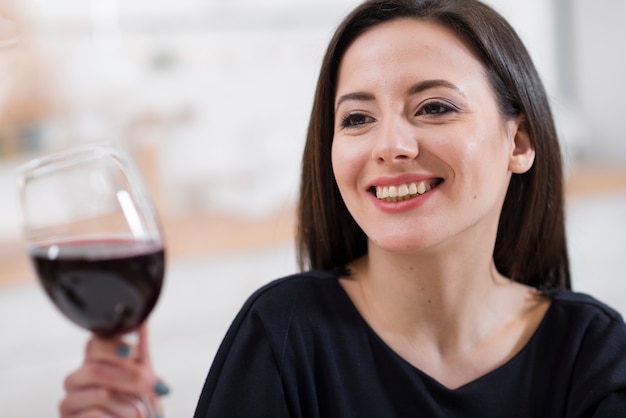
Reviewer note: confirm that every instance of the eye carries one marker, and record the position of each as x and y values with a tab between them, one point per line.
355	120
435	108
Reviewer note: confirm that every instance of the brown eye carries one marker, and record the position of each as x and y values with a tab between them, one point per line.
354	120
435	108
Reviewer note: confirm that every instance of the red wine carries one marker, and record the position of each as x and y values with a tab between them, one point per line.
107	287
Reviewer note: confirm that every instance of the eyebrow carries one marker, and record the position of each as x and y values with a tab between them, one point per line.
415	89
431	84
359	96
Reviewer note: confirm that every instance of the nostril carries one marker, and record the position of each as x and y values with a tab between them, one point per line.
391	157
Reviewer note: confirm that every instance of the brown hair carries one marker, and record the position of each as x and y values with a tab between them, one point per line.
530	244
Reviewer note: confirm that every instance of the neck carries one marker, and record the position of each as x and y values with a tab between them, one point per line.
449	300
454	317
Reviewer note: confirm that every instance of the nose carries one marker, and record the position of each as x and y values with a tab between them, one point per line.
396	141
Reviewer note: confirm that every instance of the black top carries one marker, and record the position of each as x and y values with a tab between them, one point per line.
299	348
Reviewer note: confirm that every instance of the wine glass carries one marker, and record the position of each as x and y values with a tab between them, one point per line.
93	236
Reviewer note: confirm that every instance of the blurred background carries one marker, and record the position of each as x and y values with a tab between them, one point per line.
211	98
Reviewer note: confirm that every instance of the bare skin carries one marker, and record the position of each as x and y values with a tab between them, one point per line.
454	332
414	111
414	106
115	380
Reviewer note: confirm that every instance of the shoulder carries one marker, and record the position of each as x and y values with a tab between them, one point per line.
588	332
257	350
583	307
584	319
590	337
295	312
307	294
306	285
295	282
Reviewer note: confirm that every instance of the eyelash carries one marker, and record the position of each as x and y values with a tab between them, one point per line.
348	121
440	108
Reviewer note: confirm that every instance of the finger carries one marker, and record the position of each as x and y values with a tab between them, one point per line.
158	387
149	408
143	346
109	351
131	380
126	378
99	402
119	365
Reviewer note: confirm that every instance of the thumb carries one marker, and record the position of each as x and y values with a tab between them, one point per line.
143	348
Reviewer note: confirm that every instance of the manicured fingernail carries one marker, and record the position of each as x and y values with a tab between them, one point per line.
122	350
161	389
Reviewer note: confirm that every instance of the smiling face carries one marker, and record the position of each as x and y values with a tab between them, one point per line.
421	155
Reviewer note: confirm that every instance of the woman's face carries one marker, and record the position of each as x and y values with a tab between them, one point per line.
420	153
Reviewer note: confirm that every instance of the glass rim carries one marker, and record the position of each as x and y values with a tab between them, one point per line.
77	155
55	160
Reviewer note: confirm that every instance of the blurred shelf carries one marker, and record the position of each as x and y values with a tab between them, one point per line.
589	178
192	236
209	234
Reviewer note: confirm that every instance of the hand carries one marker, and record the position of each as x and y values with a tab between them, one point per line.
116	380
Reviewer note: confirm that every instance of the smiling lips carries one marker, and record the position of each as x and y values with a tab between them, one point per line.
396	193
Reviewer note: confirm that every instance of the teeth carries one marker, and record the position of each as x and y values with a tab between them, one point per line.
402	191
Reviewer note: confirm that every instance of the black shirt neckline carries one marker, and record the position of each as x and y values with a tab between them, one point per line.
511	362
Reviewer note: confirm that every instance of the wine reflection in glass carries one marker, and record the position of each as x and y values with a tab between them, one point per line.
93	236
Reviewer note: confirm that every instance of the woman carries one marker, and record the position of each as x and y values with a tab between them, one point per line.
431	229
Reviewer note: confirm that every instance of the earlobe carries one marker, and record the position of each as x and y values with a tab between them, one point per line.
523	151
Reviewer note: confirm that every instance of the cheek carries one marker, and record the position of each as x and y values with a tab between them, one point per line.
346	161
487	151
336	161
479	164
485	166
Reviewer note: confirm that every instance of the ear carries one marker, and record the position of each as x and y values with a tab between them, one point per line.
522	151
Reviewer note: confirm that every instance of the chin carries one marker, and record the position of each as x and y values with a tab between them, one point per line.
402	245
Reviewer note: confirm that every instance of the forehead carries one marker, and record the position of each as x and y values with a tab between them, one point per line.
406	47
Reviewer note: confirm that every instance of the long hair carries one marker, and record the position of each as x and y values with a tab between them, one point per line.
530	244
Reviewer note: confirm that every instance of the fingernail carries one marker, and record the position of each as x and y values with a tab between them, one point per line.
161	389
122	350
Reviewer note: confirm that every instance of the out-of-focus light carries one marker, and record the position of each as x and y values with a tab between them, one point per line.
9	32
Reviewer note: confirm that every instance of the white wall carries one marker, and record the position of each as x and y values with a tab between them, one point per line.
241	76
590	109
600	59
